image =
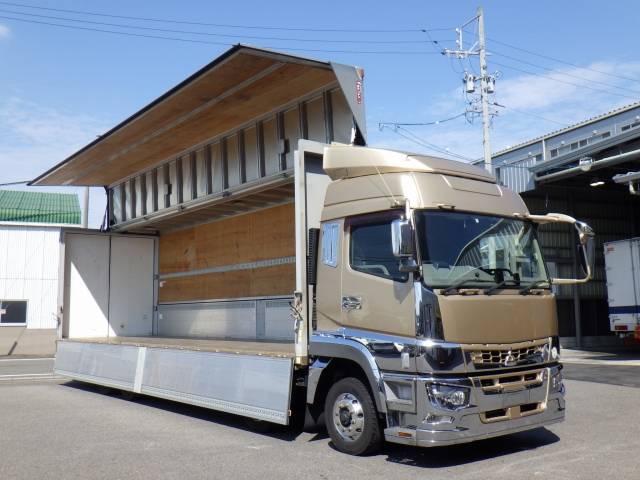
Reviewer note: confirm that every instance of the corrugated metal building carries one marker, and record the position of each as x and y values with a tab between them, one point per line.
570	171
30	224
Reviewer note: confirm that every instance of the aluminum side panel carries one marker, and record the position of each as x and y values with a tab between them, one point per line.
110	365
252	386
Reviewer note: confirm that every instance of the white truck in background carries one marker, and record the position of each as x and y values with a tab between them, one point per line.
622	266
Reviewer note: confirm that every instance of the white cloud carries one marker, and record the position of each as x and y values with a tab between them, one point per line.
34	138
535	105
4	31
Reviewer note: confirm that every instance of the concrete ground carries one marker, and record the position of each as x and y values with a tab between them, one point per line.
70	430
18	369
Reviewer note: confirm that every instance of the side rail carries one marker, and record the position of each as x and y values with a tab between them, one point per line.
250	385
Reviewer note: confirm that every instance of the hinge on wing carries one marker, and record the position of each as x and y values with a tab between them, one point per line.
297	311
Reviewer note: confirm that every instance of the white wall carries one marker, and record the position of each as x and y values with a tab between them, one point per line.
29	257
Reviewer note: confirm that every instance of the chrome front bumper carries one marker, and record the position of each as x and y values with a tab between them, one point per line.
490	413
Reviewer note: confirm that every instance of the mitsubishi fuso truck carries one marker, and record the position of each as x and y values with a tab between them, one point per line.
256	252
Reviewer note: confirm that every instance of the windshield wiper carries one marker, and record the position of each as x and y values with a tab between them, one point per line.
498	286
456	286
532	285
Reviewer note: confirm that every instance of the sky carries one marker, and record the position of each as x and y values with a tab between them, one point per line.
61	87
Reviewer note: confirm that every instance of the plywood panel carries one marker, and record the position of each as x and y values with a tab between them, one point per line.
278	280
262	235
210	85
280	87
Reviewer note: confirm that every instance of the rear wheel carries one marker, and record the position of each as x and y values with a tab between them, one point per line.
352	418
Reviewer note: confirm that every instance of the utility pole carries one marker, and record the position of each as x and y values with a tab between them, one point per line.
484	93
486	81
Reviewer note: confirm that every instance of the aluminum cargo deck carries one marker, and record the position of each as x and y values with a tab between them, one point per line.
242	347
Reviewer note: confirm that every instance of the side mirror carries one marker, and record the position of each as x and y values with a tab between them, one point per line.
586	244
586	255
586	248
402	239
402	244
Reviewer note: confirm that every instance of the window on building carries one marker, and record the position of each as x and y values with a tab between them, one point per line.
370	251
629	126
605	135
554	152
583	143
13	312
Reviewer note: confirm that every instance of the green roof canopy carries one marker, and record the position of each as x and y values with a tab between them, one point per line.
39	207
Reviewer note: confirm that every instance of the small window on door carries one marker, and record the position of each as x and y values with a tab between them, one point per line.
330	237
13	312
370	251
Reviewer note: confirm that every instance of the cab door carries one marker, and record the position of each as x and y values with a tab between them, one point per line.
375	295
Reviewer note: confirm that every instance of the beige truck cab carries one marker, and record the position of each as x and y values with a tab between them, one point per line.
435	272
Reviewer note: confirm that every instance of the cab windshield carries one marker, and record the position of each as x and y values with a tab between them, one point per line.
475	250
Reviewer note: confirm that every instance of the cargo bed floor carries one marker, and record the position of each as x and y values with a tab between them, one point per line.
272	349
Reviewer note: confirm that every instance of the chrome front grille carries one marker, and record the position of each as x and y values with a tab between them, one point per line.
510	382
507	355
512	413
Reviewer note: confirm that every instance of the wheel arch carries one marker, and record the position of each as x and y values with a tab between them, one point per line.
338	358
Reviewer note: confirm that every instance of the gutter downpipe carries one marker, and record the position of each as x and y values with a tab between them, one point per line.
605	162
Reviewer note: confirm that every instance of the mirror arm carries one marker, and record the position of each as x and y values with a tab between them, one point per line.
548	218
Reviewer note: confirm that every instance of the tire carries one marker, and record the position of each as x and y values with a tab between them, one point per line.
352	418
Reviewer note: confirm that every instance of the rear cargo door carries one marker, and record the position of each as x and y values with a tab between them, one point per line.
109	284
621	263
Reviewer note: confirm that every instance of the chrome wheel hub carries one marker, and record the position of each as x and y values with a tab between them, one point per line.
348	416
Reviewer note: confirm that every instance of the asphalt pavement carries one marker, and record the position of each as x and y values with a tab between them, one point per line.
71	430
23	368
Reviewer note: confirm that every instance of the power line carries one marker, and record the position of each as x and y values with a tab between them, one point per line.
555	59
412	137
420	124
227	35
564	73
530	114
222	25
559	60
564	81
207	42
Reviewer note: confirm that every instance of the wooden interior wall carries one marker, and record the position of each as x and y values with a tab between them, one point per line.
263	235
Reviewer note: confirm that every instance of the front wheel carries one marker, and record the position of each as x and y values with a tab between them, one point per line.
352	418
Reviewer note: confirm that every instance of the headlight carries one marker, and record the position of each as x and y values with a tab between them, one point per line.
448	397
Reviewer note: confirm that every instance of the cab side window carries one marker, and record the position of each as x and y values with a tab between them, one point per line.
370	251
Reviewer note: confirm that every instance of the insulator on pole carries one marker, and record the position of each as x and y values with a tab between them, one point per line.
491	84
469	83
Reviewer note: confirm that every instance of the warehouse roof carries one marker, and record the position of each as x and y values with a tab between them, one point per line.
568	128
39	207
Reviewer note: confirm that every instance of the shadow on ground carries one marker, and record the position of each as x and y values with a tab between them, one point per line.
453	455
227	419
437	457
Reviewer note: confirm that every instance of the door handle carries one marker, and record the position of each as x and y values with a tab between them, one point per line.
351	303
